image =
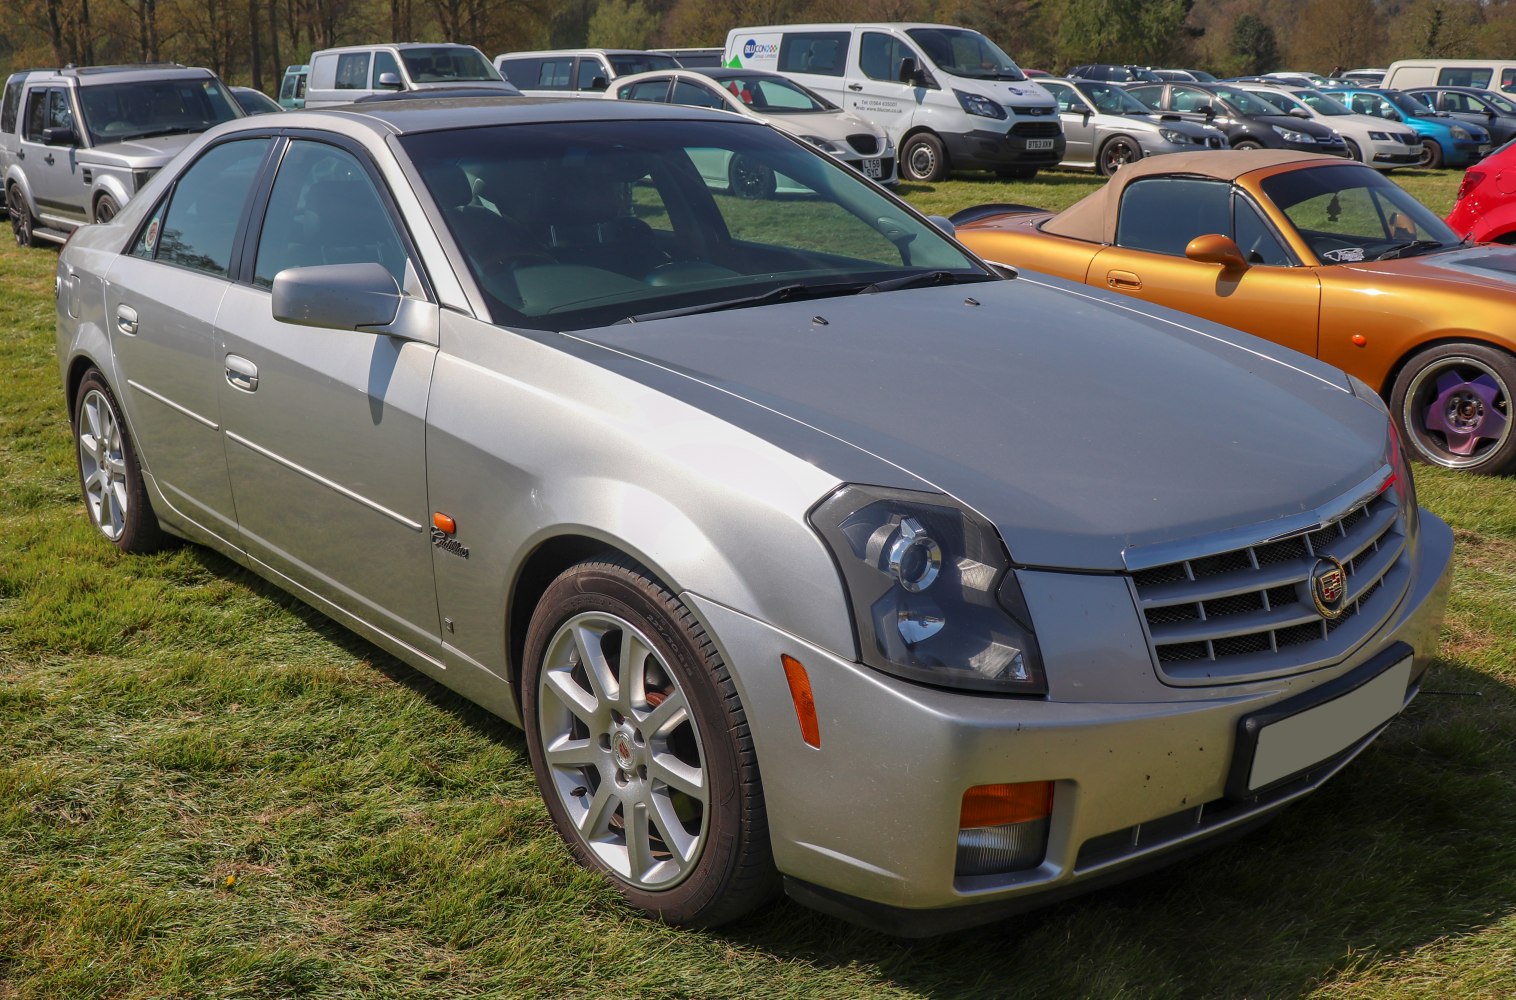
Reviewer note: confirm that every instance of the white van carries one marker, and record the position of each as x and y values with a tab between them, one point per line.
577	72
1481	74
948	97
341	76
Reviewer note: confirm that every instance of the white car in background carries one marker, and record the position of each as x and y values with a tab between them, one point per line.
782	103
1381	144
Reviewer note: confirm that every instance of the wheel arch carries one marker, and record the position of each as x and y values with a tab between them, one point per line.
108	185
916	130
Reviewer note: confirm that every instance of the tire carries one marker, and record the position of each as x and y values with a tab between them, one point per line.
110	478
923	159
1117	152
1016	173
106	208
23	226
695	854
1354	151
1431	155
1453	406
750	179
1247	144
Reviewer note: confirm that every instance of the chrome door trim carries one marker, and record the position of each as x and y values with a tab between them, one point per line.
206	421
377	508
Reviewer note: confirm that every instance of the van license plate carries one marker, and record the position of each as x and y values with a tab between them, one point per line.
1039	144
873	169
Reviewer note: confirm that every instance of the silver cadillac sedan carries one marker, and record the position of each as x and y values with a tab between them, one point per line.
809	550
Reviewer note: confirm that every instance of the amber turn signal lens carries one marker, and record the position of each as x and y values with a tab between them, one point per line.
443	523
805	701
1000	805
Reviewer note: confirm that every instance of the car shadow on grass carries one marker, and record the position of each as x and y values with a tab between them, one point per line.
1413	843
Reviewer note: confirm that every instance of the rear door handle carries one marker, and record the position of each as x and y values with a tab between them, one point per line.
126	320
48	159
855	86
241	373
1123	280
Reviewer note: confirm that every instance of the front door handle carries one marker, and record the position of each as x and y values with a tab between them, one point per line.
48	159
241	373
1124	281
126	320
855	86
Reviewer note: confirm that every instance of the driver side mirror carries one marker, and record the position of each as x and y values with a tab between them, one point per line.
1216	249
1299	113
60	135
336	296
390	81
1206	109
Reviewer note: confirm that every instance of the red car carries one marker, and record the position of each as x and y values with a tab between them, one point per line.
1486	207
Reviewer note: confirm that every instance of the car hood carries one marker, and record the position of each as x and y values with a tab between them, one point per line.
153	151
1485	266
1309	126
1081	424
1152	123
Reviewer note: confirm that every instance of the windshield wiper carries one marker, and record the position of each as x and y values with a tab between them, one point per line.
784	293
1410	247
922	279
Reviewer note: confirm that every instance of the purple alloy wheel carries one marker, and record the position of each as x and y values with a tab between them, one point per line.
1466	411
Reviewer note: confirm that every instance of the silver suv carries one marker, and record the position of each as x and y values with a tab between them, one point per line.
75	144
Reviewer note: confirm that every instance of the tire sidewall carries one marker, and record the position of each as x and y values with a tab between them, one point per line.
1431	158
938	165
100	203
609	589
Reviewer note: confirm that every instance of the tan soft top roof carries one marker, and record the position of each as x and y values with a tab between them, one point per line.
1093	218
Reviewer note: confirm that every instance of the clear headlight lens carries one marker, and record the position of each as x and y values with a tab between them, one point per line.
1379	136
1290	135
1174	135
974	104
825	145
933	596
141	177
1460	133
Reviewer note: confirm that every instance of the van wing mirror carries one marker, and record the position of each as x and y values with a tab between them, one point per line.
337	296
910	72
390	81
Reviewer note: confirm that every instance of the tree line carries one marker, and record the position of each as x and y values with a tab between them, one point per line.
250	41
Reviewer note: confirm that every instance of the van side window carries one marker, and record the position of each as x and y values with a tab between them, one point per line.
879	56
352	71
554	74
1507	79
1162	214
821	52
589	68
386	63
11	107
1465	76
521	72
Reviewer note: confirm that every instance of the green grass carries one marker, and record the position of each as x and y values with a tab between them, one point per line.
207	789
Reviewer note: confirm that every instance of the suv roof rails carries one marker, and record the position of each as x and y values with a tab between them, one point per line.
121	68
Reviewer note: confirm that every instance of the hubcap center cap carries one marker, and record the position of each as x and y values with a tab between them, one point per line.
622	750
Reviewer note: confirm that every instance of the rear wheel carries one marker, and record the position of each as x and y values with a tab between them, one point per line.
922	158
1431	155
641	748
23	226
1118	151
1453	405
1246	144
1354	151
115	496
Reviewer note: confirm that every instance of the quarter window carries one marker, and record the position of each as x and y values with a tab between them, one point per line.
820	52
352	71
324	209
1162	214
206	207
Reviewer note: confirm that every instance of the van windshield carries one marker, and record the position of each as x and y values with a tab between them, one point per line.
447	63
965	53
114	112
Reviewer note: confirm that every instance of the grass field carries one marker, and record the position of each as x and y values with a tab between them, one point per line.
206	789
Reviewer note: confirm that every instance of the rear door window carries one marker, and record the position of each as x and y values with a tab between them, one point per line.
693	95
352	71
555	74
205	208
645	90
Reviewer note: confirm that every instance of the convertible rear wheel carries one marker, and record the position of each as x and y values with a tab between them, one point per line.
1117	152
1453	404
641	747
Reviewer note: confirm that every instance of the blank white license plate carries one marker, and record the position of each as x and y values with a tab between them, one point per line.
1295	743
873	168
1039	144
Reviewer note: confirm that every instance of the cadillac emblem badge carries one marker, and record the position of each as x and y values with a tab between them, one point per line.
1329	587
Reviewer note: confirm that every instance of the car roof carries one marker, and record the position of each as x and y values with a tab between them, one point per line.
445	113
88	76
1093	218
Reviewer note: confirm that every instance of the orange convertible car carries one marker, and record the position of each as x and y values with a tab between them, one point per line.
1325	256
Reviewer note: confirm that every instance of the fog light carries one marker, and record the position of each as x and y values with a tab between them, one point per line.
1003	828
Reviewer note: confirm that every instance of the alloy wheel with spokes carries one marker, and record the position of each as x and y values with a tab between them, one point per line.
1117	153
22	223
622	750
1454	405
641	747
102	466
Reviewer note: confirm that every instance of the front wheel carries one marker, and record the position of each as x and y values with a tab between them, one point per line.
115	496
1453	405
1354	152
923	159
1431	155
749	178
641	748
1246	144
1117	152
106	209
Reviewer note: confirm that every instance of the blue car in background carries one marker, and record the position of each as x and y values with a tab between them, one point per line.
1445	141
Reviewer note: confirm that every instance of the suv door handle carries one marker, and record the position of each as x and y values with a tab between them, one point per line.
1123	280
241	373
126	320
855	86
48	159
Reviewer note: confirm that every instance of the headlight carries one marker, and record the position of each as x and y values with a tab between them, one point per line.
1460	133
825	145
977	105
1290	135
1174	135
933	596
1379	136
141	177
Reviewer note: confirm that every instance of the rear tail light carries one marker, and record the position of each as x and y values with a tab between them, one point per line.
1003	828
1471	180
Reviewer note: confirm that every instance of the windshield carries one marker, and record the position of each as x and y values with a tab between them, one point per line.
1111	100
626	65
1408	104
1322	104
1351	213
1500	104
1244	102
447	64
114	112
771	94
631	218
965	53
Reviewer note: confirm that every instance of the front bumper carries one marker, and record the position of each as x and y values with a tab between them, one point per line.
865	825
985	150
1461	153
